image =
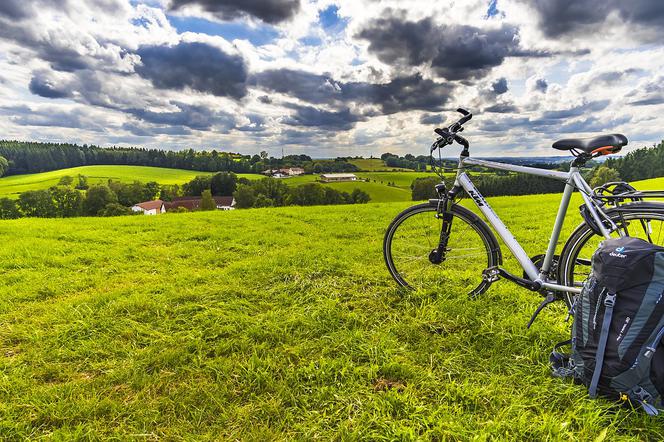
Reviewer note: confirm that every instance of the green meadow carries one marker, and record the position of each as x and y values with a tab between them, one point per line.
275	324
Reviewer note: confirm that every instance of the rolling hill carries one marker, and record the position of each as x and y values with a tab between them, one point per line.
231	325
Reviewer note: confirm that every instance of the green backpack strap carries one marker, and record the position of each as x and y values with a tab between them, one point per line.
609	303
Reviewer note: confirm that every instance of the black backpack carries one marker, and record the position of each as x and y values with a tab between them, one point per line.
617	349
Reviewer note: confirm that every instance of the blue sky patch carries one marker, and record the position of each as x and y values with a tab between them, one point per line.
258	36
330	21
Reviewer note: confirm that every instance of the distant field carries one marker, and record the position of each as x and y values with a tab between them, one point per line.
651	184
11	186
373	164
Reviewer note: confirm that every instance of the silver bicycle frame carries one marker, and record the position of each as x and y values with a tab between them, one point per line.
572	179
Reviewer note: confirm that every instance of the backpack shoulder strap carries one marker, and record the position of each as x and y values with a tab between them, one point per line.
609	302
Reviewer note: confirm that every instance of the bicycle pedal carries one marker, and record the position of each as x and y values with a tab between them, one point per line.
491	274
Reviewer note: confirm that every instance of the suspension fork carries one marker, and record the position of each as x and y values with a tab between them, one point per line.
444	212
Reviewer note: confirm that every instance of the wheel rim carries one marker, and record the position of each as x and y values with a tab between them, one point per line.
647	226
412	240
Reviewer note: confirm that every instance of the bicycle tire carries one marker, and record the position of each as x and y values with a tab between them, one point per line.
464	223
574	264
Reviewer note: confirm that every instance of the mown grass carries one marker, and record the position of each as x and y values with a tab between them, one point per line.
274	324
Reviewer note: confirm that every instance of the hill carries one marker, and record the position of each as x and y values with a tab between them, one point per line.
231	325
373	165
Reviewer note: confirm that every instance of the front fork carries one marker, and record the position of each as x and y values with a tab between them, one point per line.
445	203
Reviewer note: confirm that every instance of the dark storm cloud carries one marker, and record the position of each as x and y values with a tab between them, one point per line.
499	86
44	87
561	17
453	51
309	116
402	93
270	11
198	66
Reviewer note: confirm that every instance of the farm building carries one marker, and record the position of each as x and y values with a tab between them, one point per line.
283	173
333	177
150	207
194	203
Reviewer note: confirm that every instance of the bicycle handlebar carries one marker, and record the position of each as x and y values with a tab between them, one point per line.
449	134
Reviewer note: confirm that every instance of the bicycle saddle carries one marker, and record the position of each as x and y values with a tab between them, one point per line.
607	143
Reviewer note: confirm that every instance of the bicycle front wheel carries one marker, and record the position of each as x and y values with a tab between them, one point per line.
415	233
639	220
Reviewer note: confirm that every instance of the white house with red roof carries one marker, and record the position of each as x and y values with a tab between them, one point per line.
150	207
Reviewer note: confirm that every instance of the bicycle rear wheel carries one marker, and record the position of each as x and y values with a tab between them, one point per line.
415	232
639	220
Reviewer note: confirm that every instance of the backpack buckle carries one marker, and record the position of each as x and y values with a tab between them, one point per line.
610	300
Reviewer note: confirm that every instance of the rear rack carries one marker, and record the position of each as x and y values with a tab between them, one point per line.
617	192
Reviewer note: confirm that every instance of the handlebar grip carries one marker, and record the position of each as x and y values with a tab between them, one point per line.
461	140
441	132
463	111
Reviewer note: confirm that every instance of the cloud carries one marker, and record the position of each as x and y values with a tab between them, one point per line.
499	86
432	119
309	116
42	85
192	116
563	17
455	52
194	65
541	85
78	118
269	11
401	93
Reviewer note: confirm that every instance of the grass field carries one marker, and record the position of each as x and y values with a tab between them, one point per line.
274	324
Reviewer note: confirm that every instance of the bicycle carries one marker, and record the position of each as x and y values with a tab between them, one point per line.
441	242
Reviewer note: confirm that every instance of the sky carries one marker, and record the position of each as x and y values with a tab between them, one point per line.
330	77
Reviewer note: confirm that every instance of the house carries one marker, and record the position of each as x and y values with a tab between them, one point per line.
334	177
194	203
294	171
150	207
283	173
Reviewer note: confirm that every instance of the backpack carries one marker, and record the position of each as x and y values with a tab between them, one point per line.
617	349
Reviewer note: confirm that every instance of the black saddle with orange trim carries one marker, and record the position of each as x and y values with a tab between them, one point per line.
603	144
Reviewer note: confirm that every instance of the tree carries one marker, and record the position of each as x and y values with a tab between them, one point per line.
359	196
244	196
68	202
9	209
223	184
151	190
169	192
115	209
308	194
66	181
4	165
207	202
82	182
424	188
196	186
273	189
264	155
37	203
97	198
263	201
603	175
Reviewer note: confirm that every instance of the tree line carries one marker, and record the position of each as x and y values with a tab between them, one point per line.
32	157
270	192
640	164
492	185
